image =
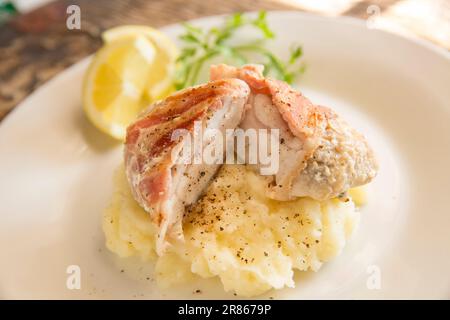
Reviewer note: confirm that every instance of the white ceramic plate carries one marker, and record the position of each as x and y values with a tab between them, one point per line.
55	175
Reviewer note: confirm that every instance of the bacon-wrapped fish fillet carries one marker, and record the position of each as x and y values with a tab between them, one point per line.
321	156
162	186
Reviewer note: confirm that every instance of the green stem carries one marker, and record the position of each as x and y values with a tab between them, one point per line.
197	66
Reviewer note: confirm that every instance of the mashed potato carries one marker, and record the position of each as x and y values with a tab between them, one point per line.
252	243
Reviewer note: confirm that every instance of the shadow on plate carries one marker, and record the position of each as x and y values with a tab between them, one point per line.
96	139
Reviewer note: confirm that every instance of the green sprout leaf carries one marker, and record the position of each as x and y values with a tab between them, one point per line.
200	45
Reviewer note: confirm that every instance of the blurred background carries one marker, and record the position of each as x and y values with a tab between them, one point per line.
36	43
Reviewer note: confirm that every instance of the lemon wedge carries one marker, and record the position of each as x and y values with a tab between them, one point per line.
115	83
134	68
160	82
